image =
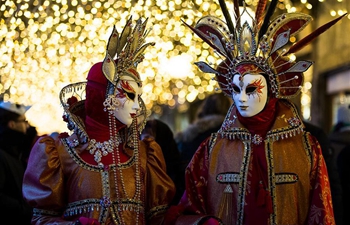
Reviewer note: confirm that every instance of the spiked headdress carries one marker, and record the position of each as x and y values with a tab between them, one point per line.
259	47
123	53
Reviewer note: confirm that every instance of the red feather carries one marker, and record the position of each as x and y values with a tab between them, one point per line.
260	12
306	40
237	13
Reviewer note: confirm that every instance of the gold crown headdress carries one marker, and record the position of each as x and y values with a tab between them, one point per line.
257	47
123	53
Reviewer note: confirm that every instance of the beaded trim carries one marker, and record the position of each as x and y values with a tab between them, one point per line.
286	178
212	141
271	179
42	212
129	205
236	133
90	205
281	178
243	182
275	135
228	178
126	205
156	210
84	206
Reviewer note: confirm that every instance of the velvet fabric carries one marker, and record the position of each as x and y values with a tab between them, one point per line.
96	94
259	199
260	123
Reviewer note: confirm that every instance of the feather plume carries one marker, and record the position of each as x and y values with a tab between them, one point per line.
227	16
260	9
306	40
267	18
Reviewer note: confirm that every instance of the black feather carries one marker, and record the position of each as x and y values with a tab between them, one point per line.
267	18
227	16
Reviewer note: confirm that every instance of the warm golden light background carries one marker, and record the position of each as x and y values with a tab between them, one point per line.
45	45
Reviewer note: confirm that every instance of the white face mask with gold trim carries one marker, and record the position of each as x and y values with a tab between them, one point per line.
127	94
249	93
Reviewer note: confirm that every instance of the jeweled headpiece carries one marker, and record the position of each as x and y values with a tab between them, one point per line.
259	47
124	52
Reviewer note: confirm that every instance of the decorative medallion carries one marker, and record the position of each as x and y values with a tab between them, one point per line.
105	201
257	139
294	121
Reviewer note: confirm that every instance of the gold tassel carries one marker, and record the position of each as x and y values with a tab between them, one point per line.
225	211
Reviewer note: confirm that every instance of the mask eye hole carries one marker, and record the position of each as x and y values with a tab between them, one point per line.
251	90
236	89
130	95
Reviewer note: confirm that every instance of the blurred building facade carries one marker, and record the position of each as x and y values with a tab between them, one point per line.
331	72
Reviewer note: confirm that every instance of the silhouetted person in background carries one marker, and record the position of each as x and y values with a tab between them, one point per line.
163	135
340	135
15	146
334	179
343	163
209	118
340	144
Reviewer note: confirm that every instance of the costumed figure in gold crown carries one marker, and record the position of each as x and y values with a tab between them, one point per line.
261	167
102	173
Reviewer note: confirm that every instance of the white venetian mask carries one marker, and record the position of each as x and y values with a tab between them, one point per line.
127	94
249	94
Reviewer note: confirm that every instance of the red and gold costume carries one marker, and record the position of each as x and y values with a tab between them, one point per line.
62	186
260	167
291	186
102	173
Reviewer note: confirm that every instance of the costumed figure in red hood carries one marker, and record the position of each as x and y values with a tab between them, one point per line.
261	167
102	173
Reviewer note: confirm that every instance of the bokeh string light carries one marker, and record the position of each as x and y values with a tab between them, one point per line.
45	45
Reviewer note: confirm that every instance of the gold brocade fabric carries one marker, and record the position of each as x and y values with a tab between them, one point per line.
296	171
62	187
